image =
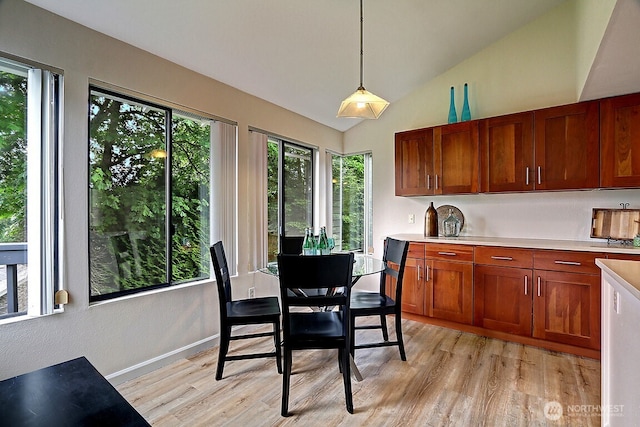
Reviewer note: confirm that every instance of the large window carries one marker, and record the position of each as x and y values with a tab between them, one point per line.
289	191
151	168
29	189
351	207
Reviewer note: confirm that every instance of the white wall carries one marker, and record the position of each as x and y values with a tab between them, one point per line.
534	67
122	334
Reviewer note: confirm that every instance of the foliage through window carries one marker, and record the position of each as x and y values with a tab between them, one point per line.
150	174
289	191
352	207
29	144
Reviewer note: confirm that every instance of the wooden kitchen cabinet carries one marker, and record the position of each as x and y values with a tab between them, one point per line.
567	148
619	141
506	147
413	288
502	289
566	300
567	308
456	161
449	282
414	163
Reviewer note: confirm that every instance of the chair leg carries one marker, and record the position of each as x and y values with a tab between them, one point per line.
286	377
346	376
403	355
225	333
383	325
278	344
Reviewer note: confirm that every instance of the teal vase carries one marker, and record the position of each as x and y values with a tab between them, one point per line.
453	117
466	113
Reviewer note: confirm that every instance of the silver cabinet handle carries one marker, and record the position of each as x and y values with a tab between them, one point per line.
568	262
539	175
427	273
428	182
447	253
436	181
502	258
526	177
526	284
418	273
538	285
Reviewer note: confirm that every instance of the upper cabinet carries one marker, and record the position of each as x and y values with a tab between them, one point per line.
586	145
567	148
620	141
414	163
439	160
506	144
455	149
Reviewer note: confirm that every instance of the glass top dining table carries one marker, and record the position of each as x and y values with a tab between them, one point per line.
363	265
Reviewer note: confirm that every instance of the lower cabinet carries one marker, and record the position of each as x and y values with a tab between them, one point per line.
449	290
548	295
413	294
567	308
502	300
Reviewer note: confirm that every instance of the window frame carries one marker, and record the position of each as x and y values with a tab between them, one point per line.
313	155
367	219
44	219
222	172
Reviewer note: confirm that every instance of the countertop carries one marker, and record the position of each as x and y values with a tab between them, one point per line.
626	273
568	245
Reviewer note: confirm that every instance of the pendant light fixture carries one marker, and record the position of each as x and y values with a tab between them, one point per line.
362	104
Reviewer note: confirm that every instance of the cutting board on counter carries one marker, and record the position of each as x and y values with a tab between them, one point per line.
617	224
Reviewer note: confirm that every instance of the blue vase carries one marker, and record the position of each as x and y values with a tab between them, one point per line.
466	113
453	117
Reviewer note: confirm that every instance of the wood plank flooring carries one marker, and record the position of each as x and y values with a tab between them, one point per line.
450	378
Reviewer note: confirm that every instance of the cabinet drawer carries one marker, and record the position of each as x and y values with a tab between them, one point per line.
574	262
629	257
416	250
506	257
462	253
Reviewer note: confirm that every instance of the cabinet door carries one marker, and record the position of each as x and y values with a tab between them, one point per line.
502	299
566	308
620	141
413	295
414	163
456	161
450	291
567	149
506	153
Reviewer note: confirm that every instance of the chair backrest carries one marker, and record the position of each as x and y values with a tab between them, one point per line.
395	252
223	280
297	273
291	245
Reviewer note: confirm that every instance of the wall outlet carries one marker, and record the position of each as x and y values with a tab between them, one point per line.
252	292
412	219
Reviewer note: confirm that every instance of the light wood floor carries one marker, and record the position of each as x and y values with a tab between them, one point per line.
450	378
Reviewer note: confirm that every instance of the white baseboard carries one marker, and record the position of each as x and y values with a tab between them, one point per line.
162	360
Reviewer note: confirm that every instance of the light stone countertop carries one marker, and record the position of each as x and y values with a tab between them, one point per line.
565	245
626	273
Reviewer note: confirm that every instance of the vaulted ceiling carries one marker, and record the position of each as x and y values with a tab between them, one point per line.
304	55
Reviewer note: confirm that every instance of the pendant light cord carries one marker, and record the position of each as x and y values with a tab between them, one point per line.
361	44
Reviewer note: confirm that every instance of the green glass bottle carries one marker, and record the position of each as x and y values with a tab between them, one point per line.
323	242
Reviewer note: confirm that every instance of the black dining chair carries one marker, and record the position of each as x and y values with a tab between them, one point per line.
308	329
252	311
291	245
387	301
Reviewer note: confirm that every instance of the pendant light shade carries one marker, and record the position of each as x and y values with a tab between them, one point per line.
362	104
